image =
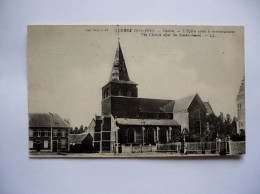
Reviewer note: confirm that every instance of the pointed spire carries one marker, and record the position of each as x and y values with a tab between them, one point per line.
119	70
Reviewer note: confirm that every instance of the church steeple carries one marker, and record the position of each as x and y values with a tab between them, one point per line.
119	83
119	70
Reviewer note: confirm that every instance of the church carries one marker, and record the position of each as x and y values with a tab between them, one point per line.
142	124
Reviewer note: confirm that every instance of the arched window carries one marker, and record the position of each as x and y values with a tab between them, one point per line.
130	135
119	92
129	93
150	135
162	135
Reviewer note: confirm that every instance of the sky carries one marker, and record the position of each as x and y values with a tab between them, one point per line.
68	66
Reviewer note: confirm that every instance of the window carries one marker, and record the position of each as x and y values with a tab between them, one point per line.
55	133
46	144
129	93
46	133
162	135
31	133
156	116
63	143
38	133
119	92
150	135
62	133
30	144
130	135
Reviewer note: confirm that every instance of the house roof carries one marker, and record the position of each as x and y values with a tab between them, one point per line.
183	103
147	122
144	104
208	107
168	108
77	138
46	120
162	105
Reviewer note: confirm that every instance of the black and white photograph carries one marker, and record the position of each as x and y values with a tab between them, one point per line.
136	91
129	97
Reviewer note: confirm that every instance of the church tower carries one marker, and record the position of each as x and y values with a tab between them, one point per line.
241	107
119	84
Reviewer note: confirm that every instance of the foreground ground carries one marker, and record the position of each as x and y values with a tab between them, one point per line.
112	155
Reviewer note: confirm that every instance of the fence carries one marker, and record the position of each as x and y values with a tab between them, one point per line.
138	148
222	148
170	147
195	147
201	147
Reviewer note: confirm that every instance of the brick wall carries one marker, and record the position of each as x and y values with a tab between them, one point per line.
124	107
106	106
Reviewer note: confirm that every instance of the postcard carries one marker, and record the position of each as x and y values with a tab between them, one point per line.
136	91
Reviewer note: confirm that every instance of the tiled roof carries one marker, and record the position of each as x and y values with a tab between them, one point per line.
152	105
168	108
183	103
147	122
145	104
46	120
